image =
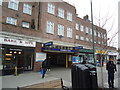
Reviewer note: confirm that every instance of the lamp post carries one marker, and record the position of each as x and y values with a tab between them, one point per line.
92	33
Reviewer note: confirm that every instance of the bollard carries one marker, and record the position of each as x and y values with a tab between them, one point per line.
16	72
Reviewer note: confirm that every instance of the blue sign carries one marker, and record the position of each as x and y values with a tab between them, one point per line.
78	47
75	59
55	49
48	44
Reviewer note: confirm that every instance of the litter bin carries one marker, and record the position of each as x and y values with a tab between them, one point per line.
73	75
93	75
80	76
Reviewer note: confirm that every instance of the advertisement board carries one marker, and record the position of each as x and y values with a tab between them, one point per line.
40	57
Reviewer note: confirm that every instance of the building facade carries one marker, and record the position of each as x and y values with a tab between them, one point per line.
33	31
119	28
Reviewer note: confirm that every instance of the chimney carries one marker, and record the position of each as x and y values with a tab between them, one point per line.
86	18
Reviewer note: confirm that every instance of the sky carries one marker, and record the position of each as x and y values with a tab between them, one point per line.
102	10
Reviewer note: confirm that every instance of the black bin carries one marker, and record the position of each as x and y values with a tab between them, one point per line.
80	76
93	75
74	74
84	80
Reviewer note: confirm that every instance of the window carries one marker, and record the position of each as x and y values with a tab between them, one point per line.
81	28
50	27
91	31
77	26
69	16
102	35
26	24
95	41
95	34
87	30
27	9
51	8
91	40
60	12
87	39
1	2
98	34
81	38
13	4
105	36
12	21
77	37
98	42
69	32
60	30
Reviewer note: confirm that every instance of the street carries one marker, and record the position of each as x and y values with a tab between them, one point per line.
28	78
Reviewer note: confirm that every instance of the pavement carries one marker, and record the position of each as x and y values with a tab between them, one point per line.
30	77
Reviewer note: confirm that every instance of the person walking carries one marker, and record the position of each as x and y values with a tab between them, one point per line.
48	64
44	67
111	67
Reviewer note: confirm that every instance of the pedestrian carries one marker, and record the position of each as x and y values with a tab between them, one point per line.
44	67
111	67
48	64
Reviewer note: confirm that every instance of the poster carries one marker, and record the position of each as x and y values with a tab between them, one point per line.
40	57
75	59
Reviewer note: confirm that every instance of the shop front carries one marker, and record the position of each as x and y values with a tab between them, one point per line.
86	55
17	54
112	55
58	55
101	57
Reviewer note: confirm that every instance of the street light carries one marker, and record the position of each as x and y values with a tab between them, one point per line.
92	33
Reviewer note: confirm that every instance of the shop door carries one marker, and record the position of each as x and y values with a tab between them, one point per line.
28	64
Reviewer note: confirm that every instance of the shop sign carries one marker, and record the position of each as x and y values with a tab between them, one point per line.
86	51
78	47
101	52
40	57
17	42
48	44
59	50
112	53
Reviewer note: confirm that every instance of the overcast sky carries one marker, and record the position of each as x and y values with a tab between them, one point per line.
103	9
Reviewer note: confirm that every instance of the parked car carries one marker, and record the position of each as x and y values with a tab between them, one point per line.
118	61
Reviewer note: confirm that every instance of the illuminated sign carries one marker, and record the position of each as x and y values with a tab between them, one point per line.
17	42
48	44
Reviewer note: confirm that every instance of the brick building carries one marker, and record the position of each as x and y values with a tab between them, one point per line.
28	26
119	28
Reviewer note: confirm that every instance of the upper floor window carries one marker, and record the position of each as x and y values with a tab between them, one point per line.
81	38
69	32
87	30
105	36
60	12
98	34
91	40
27	9
60	30
69	16
98	42
101	35
87	39
77	26
91	31
26	24
11	20
13	4
77	37
1	2
51	8
50	27
82	28
95	34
